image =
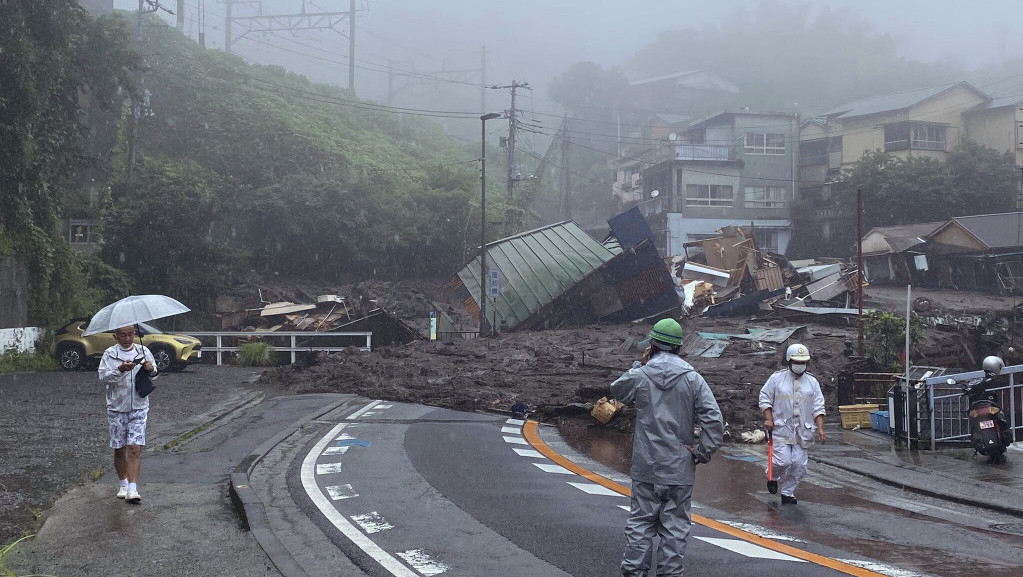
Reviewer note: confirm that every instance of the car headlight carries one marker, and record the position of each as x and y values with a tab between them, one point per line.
183	340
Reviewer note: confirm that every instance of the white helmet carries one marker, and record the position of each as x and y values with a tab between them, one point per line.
993	365
797	352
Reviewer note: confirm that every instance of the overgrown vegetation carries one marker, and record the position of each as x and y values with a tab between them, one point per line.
53	58
256	354
13	361
885	337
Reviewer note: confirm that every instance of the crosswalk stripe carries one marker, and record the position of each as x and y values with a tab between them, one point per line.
552	468
595	489
338	492
515	440
422	562
529	453
749	549
335	450
372	522
512	430
328	468
516	422
383	406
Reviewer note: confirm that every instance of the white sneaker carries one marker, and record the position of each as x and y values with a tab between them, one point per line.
133	496
122	491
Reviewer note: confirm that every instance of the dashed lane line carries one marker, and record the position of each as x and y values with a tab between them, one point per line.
748	549
350	531
530	432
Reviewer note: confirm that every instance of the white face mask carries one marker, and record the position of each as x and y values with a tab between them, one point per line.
798	369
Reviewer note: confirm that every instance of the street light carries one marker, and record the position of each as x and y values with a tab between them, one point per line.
483	218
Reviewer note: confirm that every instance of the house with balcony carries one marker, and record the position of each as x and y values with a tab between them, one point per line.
926	122
732	168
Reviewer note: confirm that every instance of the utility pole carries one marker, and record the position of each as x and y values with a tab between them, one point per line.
859	269
566	198
483	79
228	19
351	46
181	15
512	121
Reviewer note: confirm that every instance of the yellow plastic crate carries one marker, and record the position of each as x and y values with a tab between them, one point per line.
853	415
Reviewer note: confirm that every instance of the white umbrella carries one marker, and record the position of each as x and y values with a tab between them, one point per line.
131	310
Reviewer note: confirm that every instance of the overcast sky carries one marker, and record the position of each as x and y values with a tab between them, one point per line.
533	40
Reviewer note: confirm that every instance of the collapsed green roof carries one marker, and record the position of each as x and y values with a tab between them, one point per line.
535	268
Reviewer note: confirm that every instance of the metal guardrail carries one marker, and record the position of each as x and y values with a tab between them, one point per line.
947	406
292	336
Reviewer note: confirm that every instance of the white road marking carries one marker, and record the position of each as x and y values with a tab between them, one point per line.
529	453
357	537
595	489
328	468
551	468
359	413
344	437
881	568
338	492
518	422
336	450
515	440
623	507
422	562
383	406
368	413
761	531
372	522
512	430
749	549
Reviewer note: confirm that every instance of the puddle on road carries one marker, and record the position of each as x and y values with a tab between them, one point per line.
828	516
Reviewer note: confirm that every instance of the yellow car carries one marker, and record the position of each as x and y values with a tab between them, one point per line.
72	350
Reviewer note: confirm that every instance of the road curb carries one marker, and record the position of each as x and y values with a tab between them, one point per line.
251	509
892	482
250	399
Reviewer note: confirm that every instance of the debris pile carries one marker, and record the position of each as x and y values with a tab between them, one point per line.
727	275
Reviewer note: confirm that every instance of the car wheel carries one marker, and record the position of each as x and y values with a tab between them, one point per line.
70	356
164	357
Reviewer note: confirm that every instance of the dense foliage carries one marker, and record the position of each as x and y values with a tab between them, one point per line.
250	167
54	58
974	179
885	338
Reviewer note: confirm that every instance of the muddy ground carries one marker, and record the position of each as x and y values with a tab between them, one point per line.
555	372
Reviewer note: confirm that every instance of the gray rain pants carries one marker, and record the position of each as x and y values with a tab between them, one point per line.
661	510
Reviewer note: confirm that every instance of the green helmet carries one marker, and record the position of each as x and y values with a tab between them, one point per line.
667	331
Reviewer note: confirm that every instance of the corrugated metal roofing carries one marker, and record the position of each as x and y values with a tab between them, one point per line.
994	230
894	101
535	268
905	236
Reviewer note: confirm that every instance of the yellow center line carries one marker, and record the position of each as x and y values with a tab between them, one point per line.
529	430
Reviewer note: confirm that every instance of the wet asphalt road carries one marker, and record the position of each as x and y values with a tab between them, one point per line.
446	493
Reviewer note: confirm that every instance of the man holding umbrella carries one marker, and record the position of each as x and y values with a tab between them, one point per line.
121	369
126	410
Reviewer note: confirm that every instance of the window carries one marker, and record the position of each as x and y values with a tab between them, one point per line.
765	196
763	143
767	240
914	136
708	195
927	137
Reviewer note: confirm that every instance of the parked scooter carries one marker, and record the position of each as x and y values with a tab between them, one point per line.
989	429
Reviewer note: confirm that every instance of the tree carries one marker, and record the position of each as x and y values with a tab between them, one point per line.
53	56
885	336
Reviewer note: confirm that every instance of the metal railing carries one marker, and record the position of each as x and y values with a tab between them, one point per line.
291	338
704	152
948	407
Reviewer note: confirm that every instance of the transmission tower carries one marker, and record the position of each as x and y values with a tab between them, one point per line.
304	20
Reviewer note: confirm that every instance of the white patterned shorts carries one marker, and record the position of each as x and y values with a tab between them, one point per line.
127	428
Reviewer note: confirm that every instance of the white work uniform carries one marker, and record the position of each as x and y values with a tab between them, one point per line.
794	402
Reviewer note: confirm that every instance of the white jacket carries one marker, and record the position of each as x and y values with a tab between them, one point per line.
794	403
121	395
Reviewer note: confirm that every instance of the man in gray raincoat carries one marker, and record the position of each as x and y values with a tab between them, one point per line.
671	400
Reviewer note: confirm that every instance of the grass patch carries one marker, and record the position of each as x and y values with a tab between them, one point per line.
5	551
256	354
12	361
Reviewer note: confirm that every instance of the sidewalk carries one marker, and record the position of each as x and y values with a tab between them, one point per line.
953	474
